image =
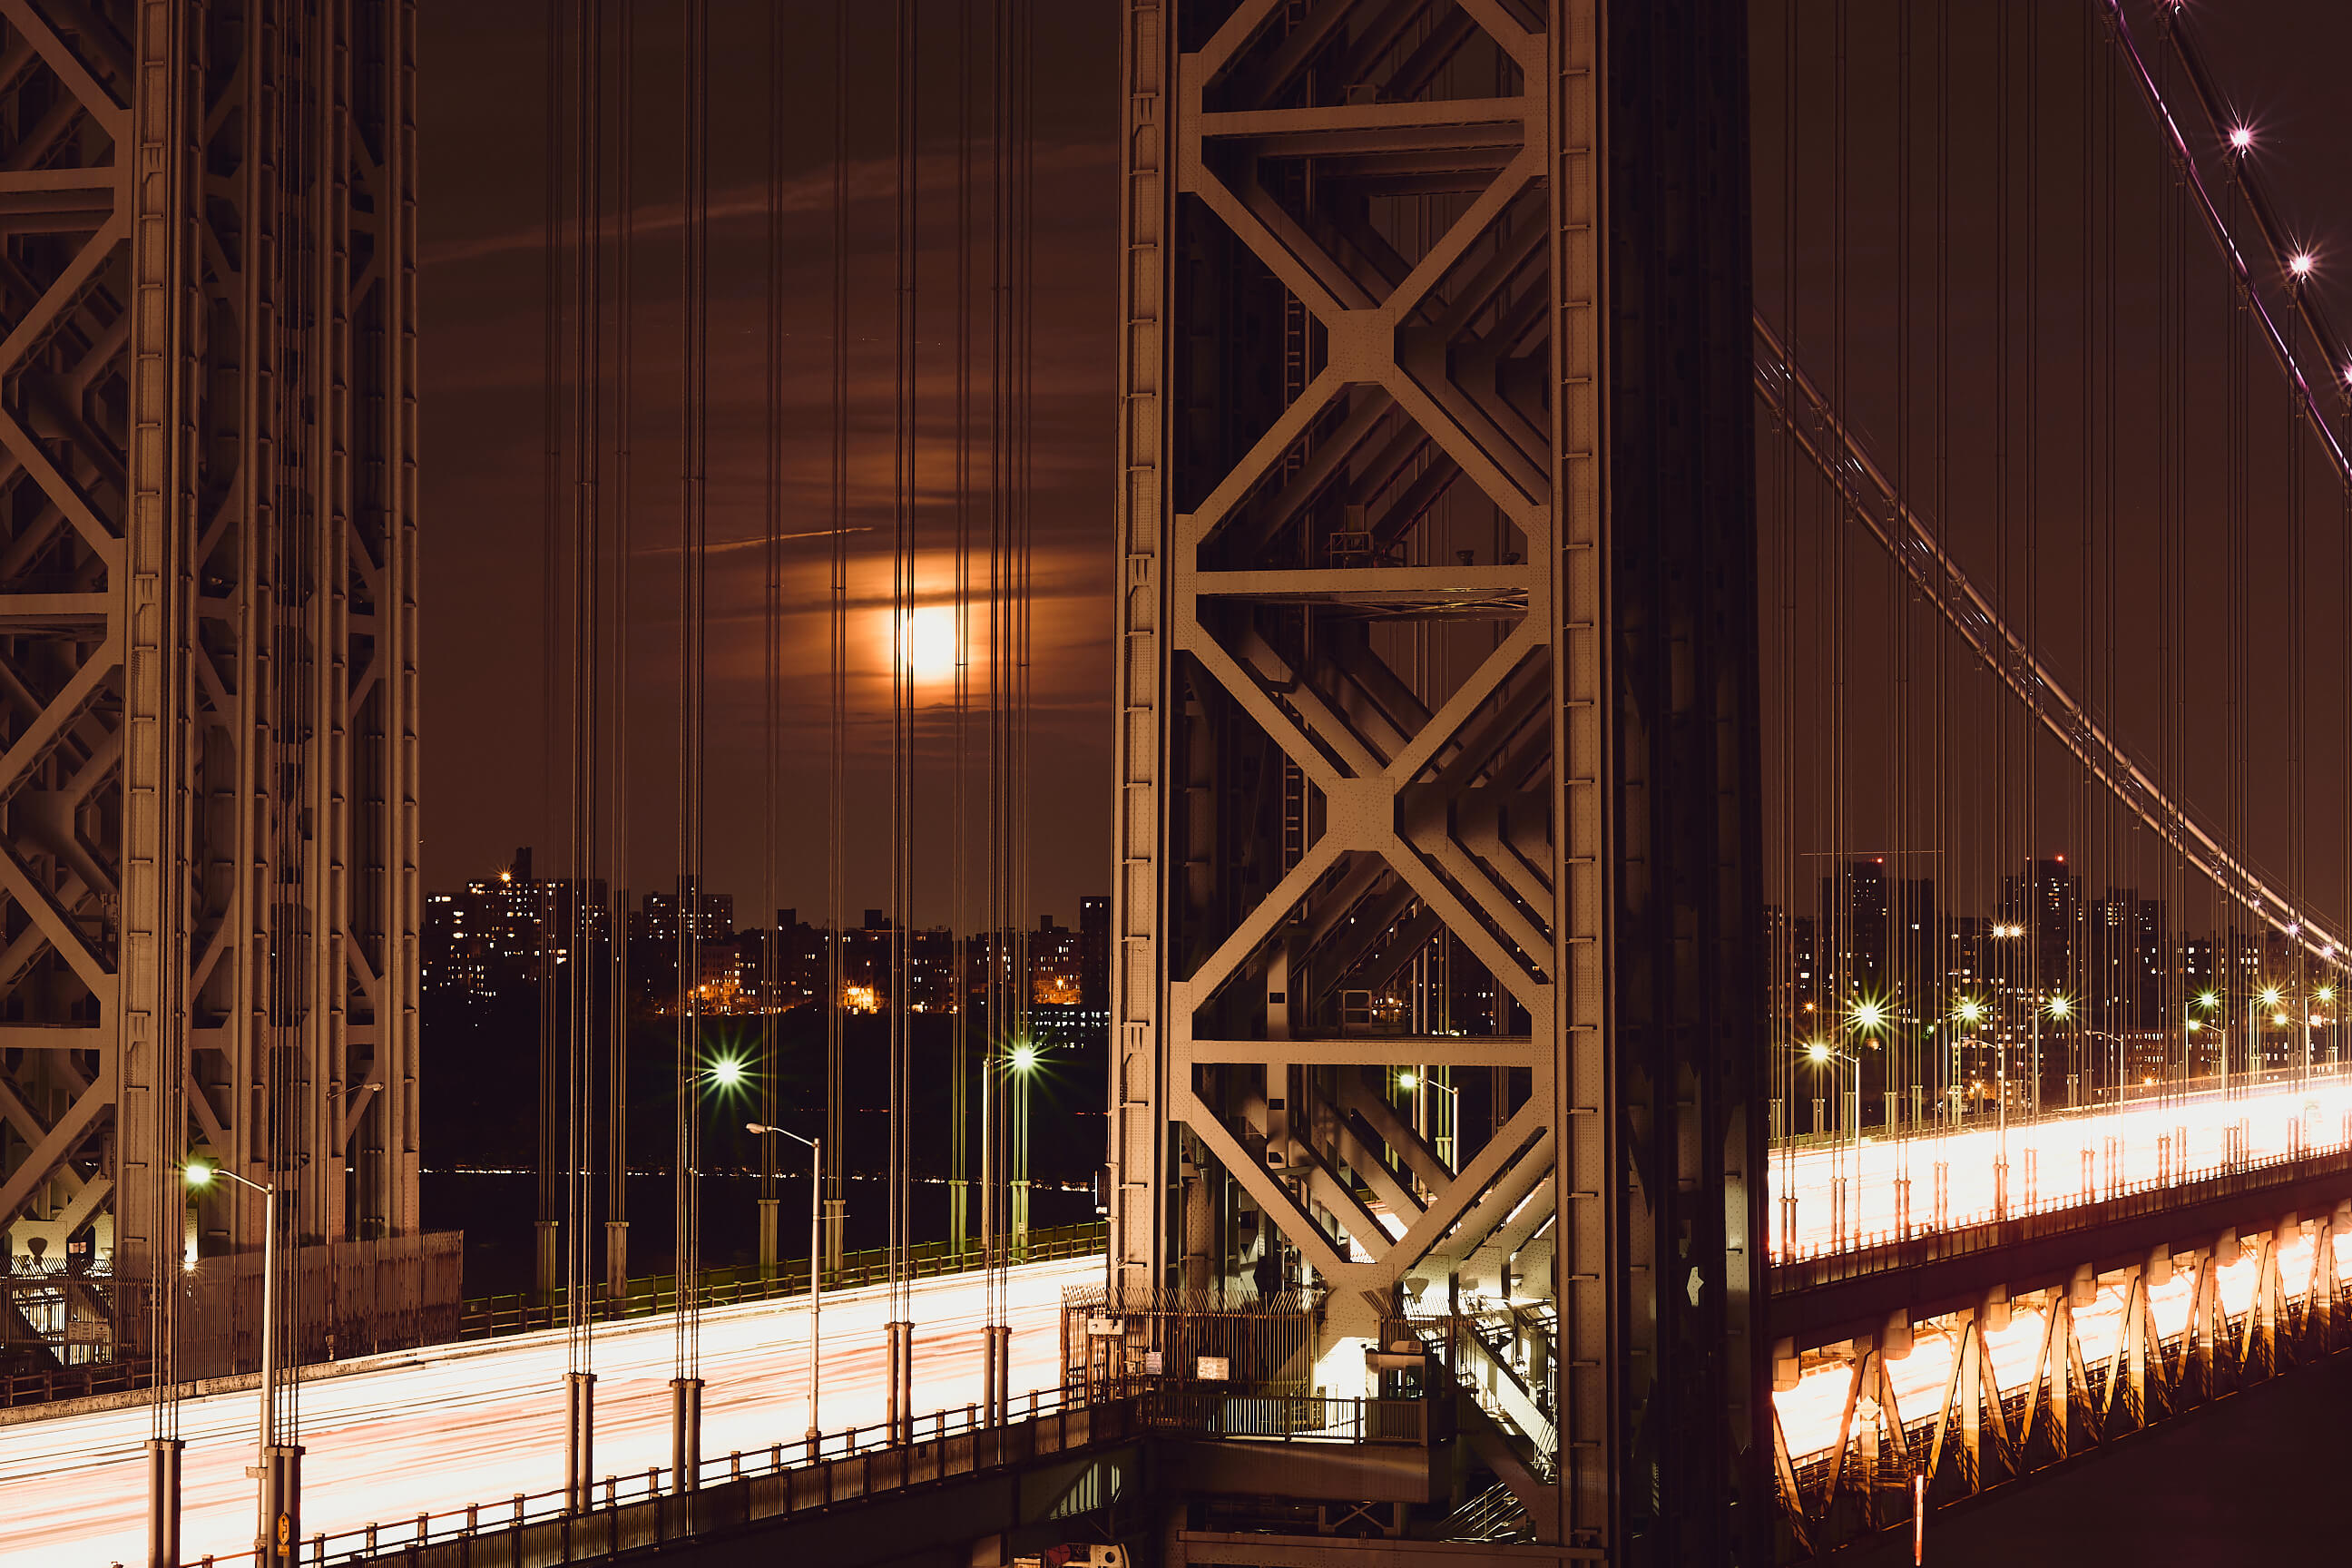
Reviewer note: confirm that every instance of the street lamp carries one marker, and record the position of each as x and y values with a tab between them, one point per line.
1822	1054
2267	1000
2117	1042
816	1254
1408	1080
279	1468
2206	1001
1021	1060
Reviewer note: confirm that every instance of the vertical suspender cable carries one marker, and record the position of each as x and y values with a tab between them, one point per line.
1025	392
551	1101
2172	248
1787	1019
1967	1010
2244	935
999	1043
1841	938
2298	891
2006	951
616	1211
902	742
838	650
685	1415
771	686
2030	470
585	551
1909	1006
960	847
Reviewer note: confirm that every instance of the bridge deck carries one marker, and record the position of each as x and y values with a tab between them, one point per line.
451	1426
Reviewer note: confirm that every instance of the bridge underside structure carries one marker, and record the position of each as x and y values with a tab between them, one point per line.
208	830
1437	828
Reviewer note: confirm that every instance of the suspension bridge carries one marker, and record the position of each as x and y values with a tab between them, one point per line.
1727	706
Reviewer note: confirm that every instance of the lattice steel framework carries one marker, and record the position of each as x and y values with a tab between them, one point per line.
208	824
1436	870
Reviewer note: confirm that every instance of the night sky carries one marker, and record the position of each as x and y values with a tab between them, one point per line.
481	75
481	129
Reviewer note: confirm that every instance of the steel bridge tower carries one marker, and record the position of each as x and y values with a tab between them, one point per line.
208	829
1438	830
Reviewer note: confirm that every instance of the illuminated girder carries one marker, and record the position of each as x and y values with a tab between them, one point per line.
208	900
1971	1399
1437	827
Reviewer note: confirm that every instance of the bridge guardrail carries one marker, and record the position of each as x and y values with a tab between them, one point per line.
497	1317
517	1312
860	1462
1985	1230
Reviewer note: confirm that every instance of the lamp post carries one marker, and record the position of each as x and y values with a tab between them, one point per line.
278	1467
2205	1000
2266	1002
1967	1012
1411	1079
1822	1053
1022	1061
816	1255
2115	1087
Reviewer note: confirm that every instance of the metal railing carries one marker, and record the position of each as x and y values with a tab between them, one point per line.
519	1313
861	1462
1987	1230
497	1317
72	1382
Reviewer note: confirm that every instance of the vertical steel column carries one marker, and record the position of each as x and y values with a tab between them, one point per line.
138	991
1139	1135
1479	574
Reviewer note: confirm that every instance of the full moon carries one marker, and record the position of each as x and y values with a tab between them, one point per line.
928	643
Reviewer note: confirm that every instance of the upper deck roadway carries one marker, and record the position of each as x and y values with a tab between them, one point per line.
2144	1143
439	1428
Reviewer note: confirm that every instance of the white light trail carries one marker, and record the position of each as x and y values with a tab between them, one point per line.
2129	1150
476	1423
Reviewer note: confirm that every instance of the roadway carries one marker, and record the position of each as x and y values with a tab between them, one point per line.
2128	1149
477	1423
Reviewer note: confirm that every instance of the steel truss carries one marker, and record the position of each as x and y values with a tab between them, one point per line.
1436	739
208	824
1992	1426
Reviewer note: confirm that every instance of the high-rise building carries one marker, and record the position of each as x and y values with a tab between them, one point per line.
502	931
